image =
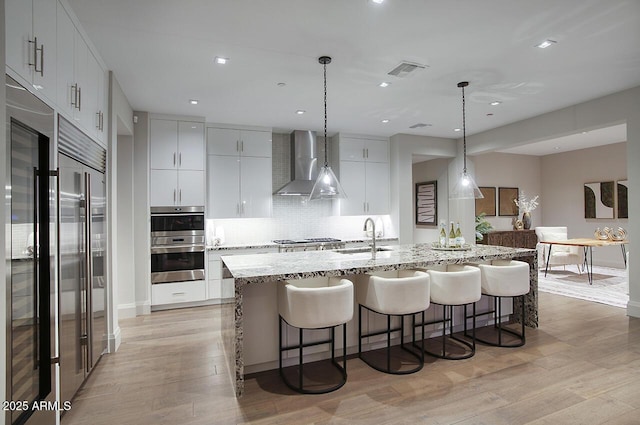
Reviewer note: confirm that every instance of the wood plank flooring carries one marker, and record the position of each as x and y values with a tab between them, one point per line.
582	366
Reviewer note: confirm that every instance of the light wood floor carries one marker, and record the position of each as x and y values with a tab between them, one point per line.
582	366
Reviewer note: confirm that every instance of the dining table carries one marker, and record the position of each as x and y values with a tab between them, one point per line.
587	245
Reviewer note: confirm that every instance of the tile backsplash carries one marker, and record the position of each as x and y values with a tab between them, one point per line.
292	216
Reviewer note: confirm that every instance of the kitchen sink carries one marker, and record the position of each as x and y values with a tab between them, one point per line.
360	250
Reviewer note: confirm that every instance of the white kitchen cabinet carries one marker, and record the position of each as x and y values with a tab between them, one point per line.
30	30
95	97
363	171
65	87
178	292
239	173
370	150
176	157
176	145
171	187
233	142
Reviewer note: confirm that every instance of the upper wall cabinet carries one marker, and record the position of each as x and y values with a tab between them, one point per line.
232	142
239	173
176	156
81	79
363	169
176	145
30	29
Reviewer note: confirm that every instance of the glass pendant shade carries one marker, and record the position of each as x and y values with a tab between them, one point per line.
327	186
466	188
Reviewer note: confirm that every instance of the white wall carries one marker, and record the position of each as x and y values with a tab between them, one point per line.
141	219
622	107
124	276
563	177
509	170
403	147
435	169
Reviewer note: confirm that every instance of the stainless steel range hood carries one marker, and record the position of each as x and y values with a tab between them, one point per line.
304	164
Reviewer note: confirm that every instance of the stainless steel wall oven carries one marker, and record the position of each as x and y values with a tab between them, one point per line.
177	244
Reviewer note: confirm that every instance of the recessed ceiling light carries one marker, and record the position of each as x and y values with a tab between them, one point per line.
282	84
556	147
221	61
300	112
489	114
545	44
457	129
385	121
377	1
495	103
384	84
193	101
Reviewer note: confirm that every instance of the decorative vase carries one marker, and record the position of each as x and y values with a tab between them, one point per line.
526	220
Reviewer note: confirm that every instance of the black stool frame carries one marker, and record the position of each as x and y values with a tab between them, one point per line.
471	345
497	323
342	369
388	332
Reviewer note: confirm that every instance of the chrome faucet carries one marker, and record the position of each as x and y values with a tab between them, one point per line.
373	236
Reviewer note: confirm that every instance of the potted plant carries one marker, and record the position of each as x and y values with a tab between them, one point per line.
482	226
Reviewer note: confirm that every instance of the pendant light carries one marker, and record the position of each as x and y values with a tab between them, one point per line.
466	187
327	185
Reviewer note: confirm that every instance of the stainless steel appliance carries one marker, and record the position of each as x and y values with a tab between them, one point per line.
30	200
310	244
82	253
177	244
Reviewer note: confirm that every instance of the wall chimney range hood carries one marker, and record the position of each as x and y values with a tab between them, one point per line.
304	164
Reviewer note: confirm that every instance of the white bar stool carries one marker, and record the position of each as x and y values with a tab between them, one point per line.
315	303
459	285
504	278
395	293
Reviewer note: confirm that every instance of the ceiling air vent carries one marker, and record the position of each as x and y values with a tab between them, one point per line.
405	68
420	125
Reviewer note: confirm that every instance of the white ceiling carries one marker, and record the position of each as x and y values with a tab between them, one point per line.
162	51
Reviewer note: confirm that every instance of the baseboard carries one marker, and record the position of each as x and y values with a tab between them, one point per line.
143	308
114	340
127	311
633	309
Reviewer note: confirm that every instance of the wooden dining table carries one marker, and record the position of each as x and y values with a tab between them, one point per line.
587	245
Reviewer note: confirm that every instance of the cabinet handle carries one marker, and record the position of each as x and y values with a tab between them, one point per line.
37	49
178	293
241	145
74	96
101	121
180	195
79	98
180	159
174	196
367	149
237	208
98	120
174	159
237	145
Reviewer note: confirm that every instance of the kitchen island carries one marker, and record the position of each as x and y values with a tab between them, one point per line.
250	332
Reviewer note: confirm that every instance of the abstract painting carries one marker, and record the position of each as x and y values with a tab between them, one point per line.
486	205
599	200
427	203
506	198
623	207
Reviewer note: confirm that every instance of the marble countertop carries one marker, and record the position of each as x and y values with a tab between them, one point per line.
257	268
258	245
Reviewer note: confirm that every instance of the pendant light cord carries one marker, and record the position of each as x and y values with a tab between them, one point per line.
326	162
464	134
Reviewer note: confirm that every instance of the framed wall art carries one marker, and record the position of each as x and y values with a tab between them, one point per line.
623	207
506	198
599	200
486	205
427	203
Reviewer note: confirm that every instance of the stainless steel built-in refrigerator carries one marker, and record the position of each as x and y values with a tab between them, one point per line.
82	257
30	205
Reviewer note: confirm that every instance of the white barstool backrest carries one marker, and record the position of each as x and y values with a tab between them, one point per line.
395	292
505	278
459	285
316	302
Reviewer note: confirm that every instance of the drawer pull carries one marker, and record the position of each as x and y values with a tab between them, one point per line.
176	294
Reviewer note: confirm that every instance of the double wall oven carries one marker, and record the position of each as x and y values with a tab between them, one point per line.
177	244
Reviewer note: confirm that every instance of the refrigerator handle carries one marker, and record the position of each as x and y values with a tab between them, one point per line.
89	268
34	255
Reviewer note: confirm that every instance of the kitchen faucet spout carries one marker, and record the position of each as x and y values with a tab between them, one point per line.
373	235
